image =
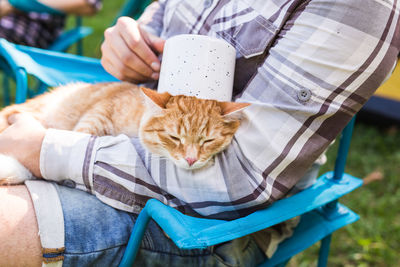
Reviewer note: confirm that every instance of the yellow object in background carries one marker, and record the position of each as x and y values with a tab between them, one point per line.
391	88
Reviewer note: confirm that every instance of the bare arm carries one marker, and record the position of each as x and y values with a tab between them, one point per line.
77	7
5	8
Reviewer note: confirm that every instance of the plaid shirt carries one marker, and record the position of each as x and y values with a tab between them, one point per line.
35	29
305	66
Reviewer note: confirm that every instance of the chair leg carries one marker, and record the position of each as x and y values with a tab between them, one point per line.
79	44
21	78
135	239
6	90
324	251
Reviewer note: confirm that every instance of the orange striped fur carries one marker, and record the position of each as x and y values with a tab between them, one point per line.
185	129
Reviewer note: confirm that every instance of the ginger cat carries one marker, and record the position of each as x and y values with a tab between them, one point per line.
187	130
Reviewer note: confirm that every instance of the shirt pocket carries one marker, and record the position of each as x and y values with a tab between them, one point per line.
249	31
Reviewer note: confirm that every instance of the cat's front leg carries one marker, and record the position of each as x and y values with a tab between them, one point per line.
12	172
95	122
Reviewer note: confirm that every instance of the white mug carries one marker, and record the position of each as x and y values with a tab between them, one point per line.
197	65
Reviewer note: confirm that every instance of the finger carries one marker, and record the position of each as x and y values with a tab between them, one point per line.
131	34
118	70
155	42
112	64
130	59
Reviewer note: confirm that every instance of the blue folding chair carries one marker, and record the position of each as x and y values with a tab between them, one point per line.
62	43
133	8
49	67
320	212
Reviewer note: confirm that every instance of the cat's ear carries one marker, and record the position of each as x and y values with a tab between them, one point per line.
159	99
232	108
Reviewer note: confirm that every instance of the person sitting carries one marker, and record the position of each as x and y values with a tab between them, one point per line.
40	29
306	67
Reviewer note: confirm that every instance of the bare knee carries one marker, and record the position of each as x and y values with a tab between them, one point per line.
20	243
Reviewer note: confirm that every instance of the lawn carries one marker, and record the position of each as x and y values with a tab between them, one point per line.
375	152
374	239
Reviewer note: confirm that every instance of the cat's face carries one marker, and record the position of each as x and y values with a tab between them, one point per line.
187	130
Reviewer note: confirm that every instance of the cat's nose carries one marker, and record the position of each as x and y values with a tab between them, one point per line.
191	161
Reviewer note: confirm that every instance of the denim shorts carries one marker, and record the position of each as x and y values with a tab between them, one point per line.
77	229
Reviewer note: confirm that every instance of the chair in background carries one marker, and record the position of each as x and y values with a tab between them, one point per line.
67	38
9	65
62	43
51	68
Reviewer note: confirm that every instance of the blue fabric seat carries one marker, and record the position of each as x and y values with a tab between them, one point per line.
50	67
320	212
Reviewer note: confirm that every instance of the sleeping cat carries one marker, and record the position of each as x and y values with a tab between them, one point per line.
187	130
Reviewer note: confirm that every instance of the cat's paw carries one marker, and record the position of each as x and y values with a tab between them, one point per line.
12	172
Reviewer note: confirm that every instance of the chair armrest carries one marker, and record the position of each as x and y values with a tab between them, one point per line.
51	67
189	232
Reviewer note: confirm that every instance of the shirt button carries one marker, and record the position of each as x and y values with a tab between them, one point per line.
207	3
304	95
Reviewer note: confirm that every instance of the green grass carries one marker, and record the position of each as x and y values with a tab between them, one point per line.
98	23
375	239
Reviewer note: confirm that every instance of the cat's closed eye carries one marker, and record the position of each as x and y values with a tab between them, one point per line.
208	141
174	138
